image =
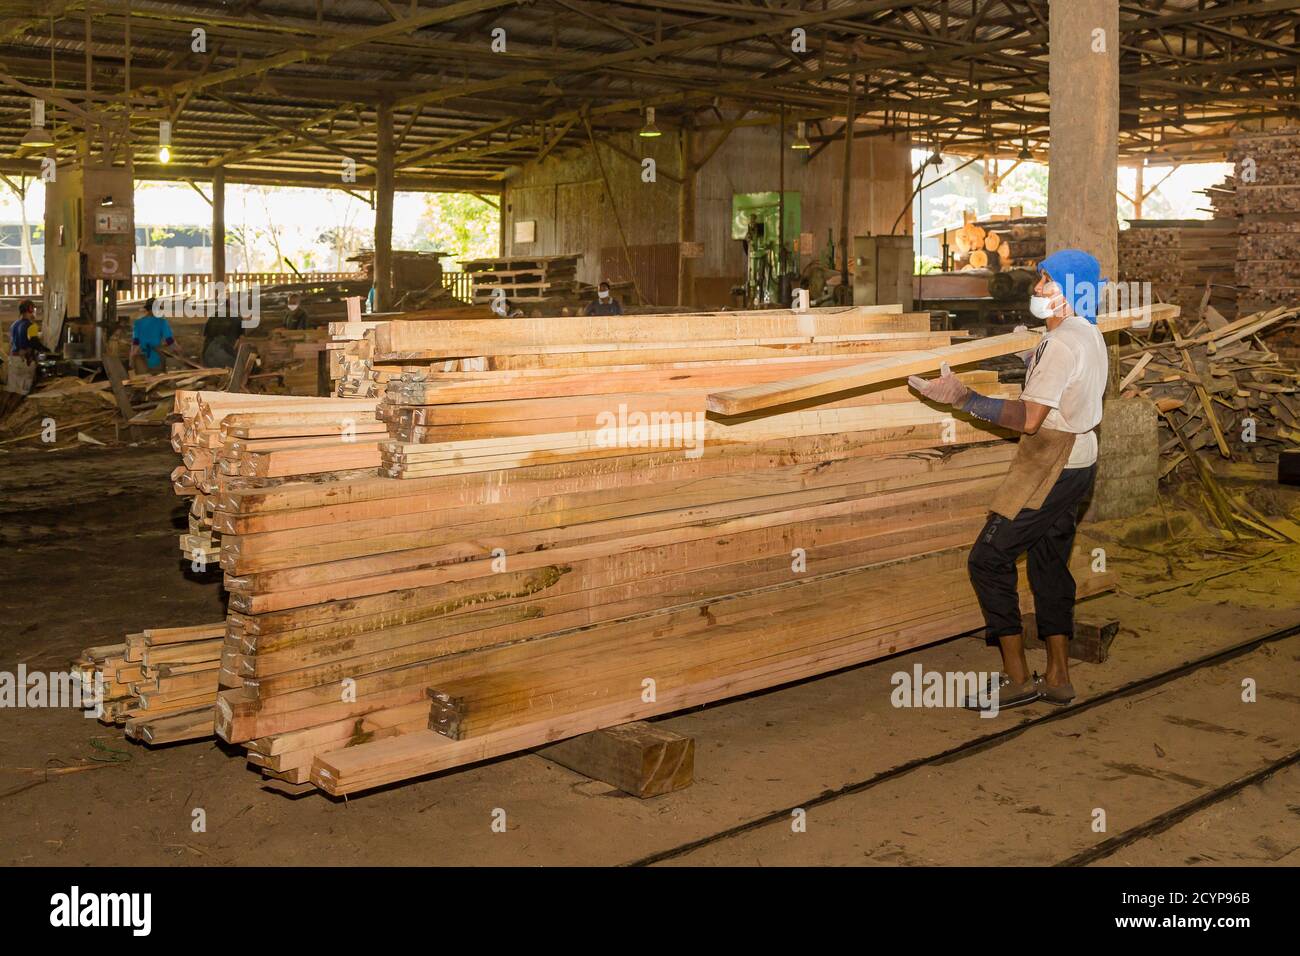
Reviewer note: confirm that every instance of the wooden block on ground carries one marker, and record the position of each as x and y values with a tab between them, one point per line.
639	758
1092	637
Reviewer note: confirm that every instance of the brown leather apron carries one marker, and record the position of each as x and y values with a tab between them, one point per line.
1040	459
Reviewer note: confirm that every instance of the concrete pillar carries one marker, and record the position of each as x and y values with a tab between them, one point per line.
384	209
1083	83
219	226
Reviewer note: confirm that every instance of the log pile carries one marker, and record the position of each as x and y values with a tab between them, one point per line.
1001	243
1181	258
159	684
523	581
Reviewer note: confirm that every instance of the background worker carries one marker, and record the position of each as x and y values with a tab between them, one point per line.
296	317
151	341
1036	509
221	335
24	333
604	303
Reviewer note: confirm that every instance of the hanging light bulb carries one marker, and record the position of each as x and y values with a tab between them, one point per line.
800	140
164	141
649	130
1024	155
38	137
936	158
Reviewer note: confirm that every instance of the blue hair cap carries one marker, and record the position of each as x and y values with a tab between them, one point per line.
1078	273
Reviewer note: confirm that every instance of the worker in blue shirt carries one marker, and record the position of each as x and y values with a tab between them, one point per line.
151	341
23	341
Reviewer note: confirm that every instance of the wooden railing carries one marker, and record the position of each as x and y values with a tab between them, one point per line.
460	284
201	285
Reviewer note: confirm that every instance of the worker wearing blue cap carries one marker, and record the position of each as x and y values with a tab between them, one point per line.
1036	509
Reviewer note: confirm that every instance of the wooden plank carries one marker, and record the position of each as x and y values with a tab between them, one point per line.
753	398
640	758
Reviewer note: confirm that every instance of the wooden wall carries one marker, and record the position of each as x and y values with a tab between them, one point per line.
566	197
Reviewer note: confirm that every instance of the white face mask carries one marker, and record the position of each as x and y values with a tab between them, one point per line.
603	294
1040	306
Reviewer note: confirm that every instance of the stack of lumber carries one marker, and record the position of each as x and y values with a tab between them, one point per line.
292	358
351	368
1181	258
1267	193
523	278
417	278
1222	394
496	598
160	684
239	440
1222	199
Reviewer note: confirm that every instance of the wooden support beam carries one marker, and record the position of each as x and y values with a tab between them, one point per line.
219	225
846	194
686	219
640	758
383	261
1084	88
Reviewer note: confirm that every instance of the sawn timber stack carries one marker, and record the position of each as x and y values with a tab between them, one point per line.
551	545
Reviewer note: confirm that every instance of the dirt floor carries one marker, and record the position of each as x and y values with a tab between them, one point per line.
88	552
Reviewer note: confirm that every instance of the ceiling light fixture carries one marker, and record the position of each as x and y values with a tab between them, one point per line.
38	137
800	139
649	130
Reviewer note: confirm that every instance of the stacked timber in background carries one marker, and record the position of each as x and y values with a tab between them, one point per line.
1181	258
523	279
1267	193
547	551
160	684
292	358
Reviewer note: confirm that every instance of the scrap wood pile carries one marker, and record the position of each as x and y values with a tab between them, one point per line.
89	407
525	578
1222	393
1181	258
229	439
160	684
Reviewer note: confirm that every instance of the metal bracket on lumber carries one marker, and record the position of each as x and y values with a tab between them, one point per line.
639	758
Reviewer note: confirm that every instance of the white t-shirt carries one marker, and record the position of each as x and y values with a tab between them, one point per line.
1068	374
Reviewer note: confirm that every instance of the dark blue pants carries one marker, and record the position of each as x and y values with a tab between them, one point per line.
1047	534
